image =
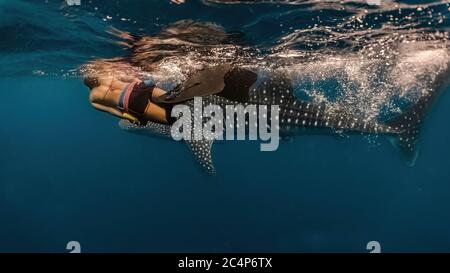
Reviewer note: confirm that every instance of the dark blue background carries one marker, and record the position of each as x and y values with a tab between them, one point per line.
67	172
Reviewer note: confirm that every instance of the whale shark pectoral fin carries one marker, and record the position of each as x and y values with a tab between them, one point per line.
201	150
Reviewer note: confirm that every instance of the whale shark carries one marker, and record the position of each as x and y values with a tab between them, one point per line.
297	116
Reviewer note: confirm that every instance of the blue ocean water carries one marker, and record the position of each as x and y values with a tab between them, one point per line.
68	173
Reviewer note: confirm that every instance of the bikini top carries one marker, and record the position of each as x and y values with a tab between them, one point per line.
134	98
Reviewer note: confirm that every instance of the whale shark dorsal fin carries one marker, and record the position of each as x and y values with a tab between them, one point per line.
201	150
204	82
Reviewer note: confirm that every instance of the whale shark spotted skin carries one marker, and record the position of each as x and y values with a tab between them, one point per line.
294	115
298	116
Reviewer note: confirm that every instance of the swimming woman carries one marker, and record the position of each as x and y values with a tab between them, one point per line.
127	97
117	88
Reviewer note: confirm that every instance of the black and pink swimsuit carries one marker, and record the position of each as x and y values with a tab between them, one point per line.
135	98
